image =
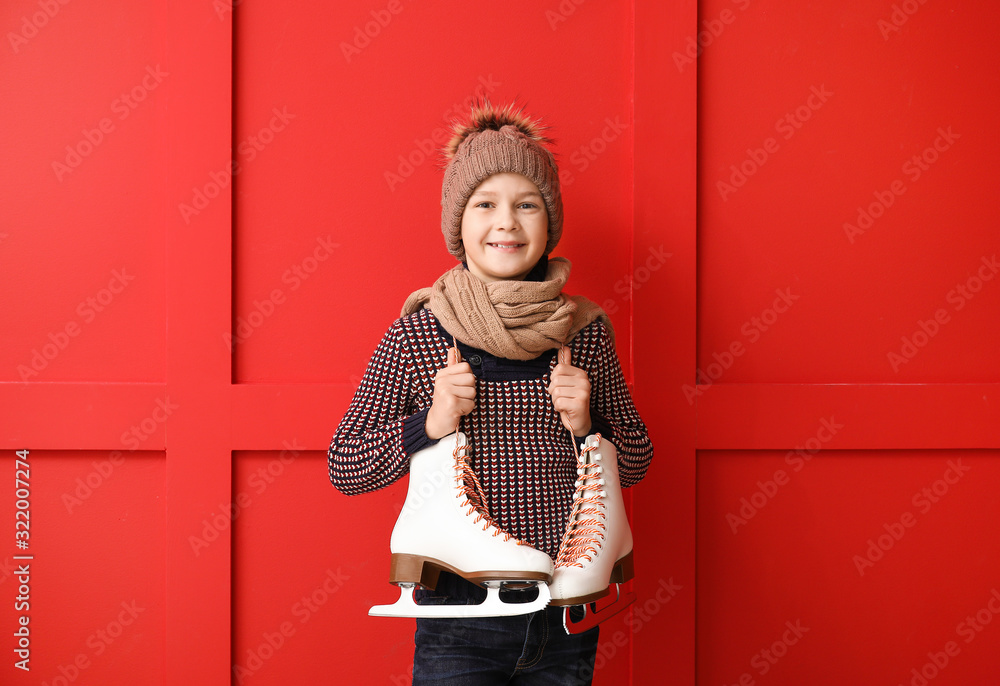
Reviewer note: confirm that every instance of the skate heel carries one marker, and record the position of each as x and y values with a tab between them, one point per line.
623	570
414	569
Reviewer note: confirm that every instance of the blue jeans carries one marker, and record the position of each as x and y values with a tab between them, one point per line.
520	650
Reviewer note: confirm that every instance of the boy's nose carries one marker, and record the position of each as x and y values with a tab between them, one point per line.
506	219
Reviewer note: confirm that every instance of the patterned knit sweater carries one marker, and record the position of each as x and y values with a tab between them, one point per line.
521	452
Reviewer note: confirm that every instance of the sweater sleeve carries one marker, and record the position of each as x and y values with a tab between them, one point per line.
612	408
369	448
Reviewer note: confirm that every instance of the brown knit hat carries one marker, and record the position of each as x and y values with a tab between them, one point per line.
497	140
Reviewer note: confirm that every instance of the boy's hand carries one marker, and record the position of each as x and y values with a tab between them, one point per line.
570	391
454	397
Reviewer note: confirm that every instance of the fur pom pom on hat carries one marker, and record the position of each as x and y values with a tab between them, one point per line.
497	140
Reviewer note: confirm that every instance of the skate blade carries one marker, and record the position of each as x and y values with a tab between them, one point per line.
405	606
593	616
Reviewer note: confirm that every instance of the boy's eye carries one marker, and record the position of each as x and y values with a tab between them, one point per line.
528	205
483	203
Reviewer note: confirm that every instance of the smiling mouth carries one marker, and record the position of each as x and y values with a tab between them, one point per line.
506	246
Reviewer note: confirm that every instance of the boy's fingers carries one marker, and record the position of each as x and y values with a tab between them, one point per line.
457	370
568	380
463	374
452	357
562	372
563	375
468	392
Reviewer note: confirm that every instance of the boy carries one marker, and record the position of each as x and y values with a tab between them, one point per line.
495	348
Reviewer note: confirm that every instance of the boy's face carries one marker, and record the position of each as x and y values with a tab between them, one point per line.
505	228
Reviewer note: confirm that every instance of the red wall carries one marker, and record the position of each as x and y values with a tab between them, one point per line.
847	422
182	339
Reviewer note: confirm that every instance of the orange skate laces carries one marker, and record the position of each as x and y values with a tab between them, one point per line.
475	499
586	530
470	487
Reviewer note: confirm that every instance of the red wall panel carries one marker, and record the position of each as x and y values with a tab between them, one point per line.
78	186
664	326
301	576
846	356
808	114
91	580
875	558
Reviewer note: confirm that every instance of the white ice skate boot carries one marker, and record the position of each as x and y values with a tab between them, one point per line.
444	525
597	547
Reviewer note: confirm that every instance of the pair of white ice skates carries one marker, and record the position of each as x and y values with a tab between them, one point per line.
444	525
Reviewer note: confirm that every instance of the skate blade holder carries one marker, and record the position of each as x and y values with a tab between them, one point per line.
493	606
592	616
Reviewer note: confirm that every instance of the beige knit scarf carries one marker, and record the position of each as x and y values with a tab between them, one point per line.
516	320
